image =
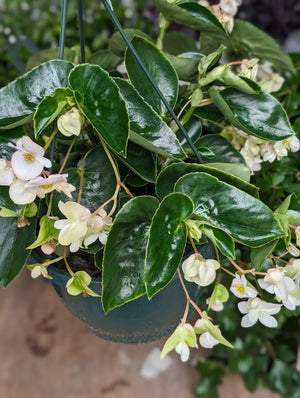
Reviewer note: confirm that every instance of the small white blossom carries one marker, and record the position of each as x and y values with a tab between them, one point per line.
258	310
293	270
70	123
230	6
183	350
217	306
41	185
19	194
198	271
240	289
39	270
28	161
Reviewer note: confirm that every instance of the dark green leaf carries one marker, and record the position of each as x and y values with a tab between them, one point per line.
161	71
249	39
280	377
147	128
98	182
221	239
19	99
141	162
245	218
256	114
99	99
7	203
105	59
209	112
169	176
167	239
209	61
176	43
260	255
222	148
196	17
13	243
49	108
186	65
48	55
124	254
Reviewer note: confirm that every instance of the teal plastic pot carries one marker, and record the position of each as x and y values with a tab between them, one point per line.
138	321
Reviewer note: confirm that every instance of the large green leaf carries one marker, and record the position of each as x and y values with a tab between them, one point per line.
147	128
256	114
242	216
259	255
49	108
141	162
125	250
19	99
99	99
170	175
186	65
224	151
221	240
167	239
117	44
161	71
196	17
249	39
98	182
13	243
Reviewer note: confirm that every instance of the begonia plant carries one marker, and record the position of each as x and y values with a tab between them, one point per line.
140	157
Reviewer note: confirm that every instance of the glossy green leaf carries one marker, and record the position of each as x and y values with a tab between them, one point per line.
124	253
49	108
256	114
161	71
224	151
259	255
98	97
13	244
237	170
194	16
242	216
249	39
19	99
167	239
169	176
221	240
209	112
175	42
147	128
185	65
193	127
7	203
98	182
141	162
209	61
117	44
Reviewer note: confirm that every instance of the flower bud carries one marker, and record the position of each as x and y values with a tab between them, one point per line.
70	123
207	272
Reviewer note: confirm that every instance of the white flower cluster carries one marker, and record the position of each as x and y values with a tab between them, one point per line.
23	174
80	226
284	283
197	270
255	151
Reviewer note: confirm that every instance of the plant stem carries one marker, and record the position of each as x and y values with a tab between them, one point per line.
81	178
67	155
53	134
67	264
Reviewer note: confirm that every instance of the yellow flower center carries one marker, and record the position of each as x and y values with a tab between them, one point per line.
240	289
28	157
286	142
46	186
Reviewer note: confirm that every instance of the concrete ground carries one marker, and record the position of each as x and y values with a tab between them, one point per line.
47	353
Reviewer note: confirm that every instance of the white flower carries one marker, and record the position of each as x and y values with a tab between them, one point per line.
257	309
206	340
217	306
39	270
267	151
98	228
281	147
230	6
41	185
252	161
6	174
28	161
183	350
293	270
275	282
19	194
75	226
240	289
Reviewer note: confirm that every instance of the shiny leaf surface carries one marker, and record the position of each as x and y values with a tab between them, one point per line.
245	218
147	128
167	239
13	244
169	176
19	99
256	114
124	253
221	240
98	97
161	71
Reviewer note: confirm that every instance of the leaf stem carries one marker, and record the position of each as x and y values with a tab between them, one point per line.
53	134
67	155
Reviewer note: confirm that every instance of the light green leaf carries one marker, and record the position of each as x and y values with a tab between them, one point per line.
46	232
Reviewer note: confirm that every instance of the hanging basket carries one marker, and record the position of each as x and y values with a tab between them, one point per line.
137	321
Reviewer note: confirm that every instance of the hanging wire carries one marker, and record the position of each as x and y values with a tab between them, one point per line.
116	22
81	30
